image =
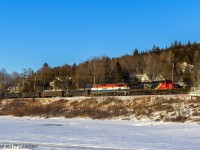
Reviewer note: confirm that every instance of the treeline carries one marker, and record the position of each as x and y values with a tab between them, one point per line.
153	62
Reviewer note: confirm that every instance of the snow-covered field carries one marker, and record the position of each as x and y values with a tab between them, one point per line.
78	134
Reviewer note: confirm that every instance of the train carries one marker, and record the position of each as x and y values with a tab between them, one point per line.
140	88
114	89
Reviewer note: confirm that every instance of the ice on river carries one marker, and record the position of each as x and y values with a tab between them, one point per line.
78	134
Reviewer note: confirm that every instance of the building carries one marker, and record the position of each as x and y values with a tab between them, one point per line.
142	78
158	77
186	68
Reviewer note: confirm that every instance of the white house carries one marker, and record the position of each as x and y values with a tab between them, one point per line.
158	78
185	67
143	78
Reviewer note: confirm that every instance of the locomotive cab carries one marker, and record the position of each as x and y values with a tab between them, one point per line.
166	85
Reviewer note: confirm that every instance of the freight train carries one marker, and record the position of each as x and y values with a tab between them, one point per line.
117	89
141	88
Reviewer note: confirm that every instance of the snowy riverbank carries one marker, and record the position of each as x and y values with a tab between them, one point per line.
78	134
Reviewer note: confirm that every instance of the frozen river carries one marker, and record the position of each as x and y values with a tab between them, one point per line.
78	134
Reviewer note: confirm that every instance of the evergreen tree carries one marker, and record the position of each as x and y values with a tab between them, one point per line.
118	75
106	71
73	70
135	53
155	49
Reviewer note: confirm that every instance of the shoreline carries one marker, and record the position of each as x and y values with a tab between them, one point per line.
167	108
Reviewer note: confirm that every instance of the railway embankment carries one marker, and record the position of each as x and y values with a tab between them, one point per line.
175	108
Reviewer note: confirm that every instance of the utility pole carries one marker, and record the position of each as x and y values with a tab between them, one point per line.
172	72
94	79
23	81
44	82
34	83
23	84
77	81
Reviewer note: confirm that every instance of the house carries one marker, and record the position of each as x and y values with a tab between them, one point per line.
158	77
185	67
14	89
57	84
142	78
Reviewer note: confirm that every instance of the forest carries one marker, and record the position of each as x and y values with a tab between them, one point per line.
165	62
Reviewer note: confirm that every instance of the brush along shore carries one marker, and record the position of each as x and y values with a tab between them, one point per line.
156	108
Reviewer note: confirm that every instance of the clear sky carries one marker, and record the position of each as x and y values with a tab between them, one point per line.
60	32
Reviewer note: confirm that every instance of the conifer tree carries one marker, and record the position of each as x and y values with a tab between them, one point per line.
118	74
135	53
106	72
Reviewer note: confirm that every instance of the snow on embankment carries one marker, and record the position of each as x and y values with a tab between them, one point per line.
157	108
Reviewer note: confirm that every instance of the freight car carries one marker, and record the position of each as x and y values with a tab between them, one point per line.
79	92
11	95
31	94
53	93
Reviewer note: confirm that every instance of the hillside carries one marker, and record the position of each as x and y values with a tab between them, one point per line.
156	108
178	62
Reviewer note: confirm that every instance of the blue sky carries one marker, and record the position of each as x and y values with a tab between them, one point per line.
60	32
